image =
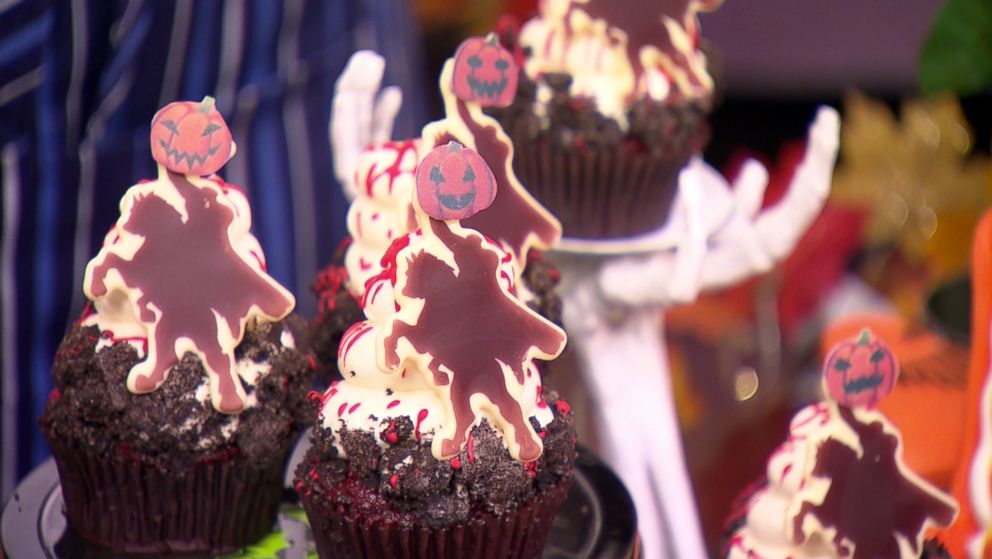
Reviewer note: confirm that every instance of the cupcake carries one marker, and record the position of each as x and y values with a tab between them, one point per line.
610	106
381	212
438	442
838	486
180	393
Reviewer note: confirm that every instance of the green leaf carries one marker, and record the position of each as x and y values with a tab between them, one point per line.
266	548
296	513
957	55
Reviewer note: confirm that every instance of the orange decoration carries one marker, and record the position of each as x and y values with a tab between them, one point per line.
191	138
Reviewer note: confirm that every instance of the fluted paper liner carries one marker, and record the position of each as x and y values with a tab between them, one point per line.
518	534
131	506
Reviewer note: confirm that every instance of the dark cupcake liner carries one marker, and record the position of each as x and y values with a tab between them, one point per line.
130	506
518	534
613	192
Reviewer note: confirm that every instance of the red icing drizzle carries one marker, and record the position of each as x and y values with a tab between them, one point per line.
392	404
393	171
421	416
189	271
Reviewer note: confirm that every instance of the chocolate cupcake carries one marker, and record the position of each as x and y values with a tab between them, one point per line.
838	486
439	442
611	104
180	394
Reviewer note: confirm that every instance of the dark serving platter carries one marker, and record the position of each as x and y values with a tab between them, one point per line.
597	521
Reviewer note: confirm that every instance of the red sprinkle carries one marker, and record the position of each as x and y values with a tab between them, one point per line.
394	480
456	463
392	437
563	407
421	416
471	449
55	394
311	361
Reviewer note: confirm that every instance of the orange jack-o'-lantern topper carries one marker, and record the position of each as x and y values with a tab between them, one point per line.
454	182
860	371
191	138
485	72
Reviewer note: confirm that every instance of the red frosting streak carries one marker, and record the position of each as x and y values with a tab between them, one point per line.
393	171
258	259
341	409
421	416
351	337
364	264
392	404
353	408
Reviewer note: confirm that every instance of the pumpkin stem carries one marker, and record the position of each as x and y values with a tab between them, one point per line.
492	39
207	104
865	337
454	147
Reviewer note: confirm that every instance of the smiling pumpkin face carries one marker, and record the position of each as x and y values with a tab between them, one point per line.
859	373
454	182
485	72
191	138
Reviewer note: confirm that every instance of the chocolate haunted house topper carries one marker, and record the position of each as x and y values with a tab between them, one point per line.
452	341
860	496
180	270
484	74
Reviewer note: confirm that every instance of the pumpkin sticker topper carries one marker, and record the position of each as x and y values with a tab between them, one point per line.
182	264
860	372
485	72
191	138
454	182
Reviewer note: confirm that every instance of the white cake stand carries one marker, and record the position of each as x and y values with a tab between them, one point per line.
615	294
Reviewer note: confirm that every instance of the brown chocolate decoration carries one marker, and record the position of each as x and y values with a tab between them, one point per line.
515	219
870	500
188	281
469	325
644	26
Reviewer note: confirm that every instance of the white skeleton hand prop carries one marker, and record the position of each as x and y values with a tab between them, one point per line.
749	242
358	117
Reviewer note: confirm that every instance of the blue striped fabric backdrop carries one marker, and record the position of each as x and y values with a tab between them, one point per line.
79	83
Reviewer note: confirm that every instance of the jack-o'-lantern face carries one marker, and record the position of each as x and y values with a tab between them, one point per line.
454	182
485	72
860	372
191	138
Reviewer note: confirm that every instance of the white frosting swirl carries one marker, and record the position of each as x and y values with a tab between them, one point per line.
380	212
